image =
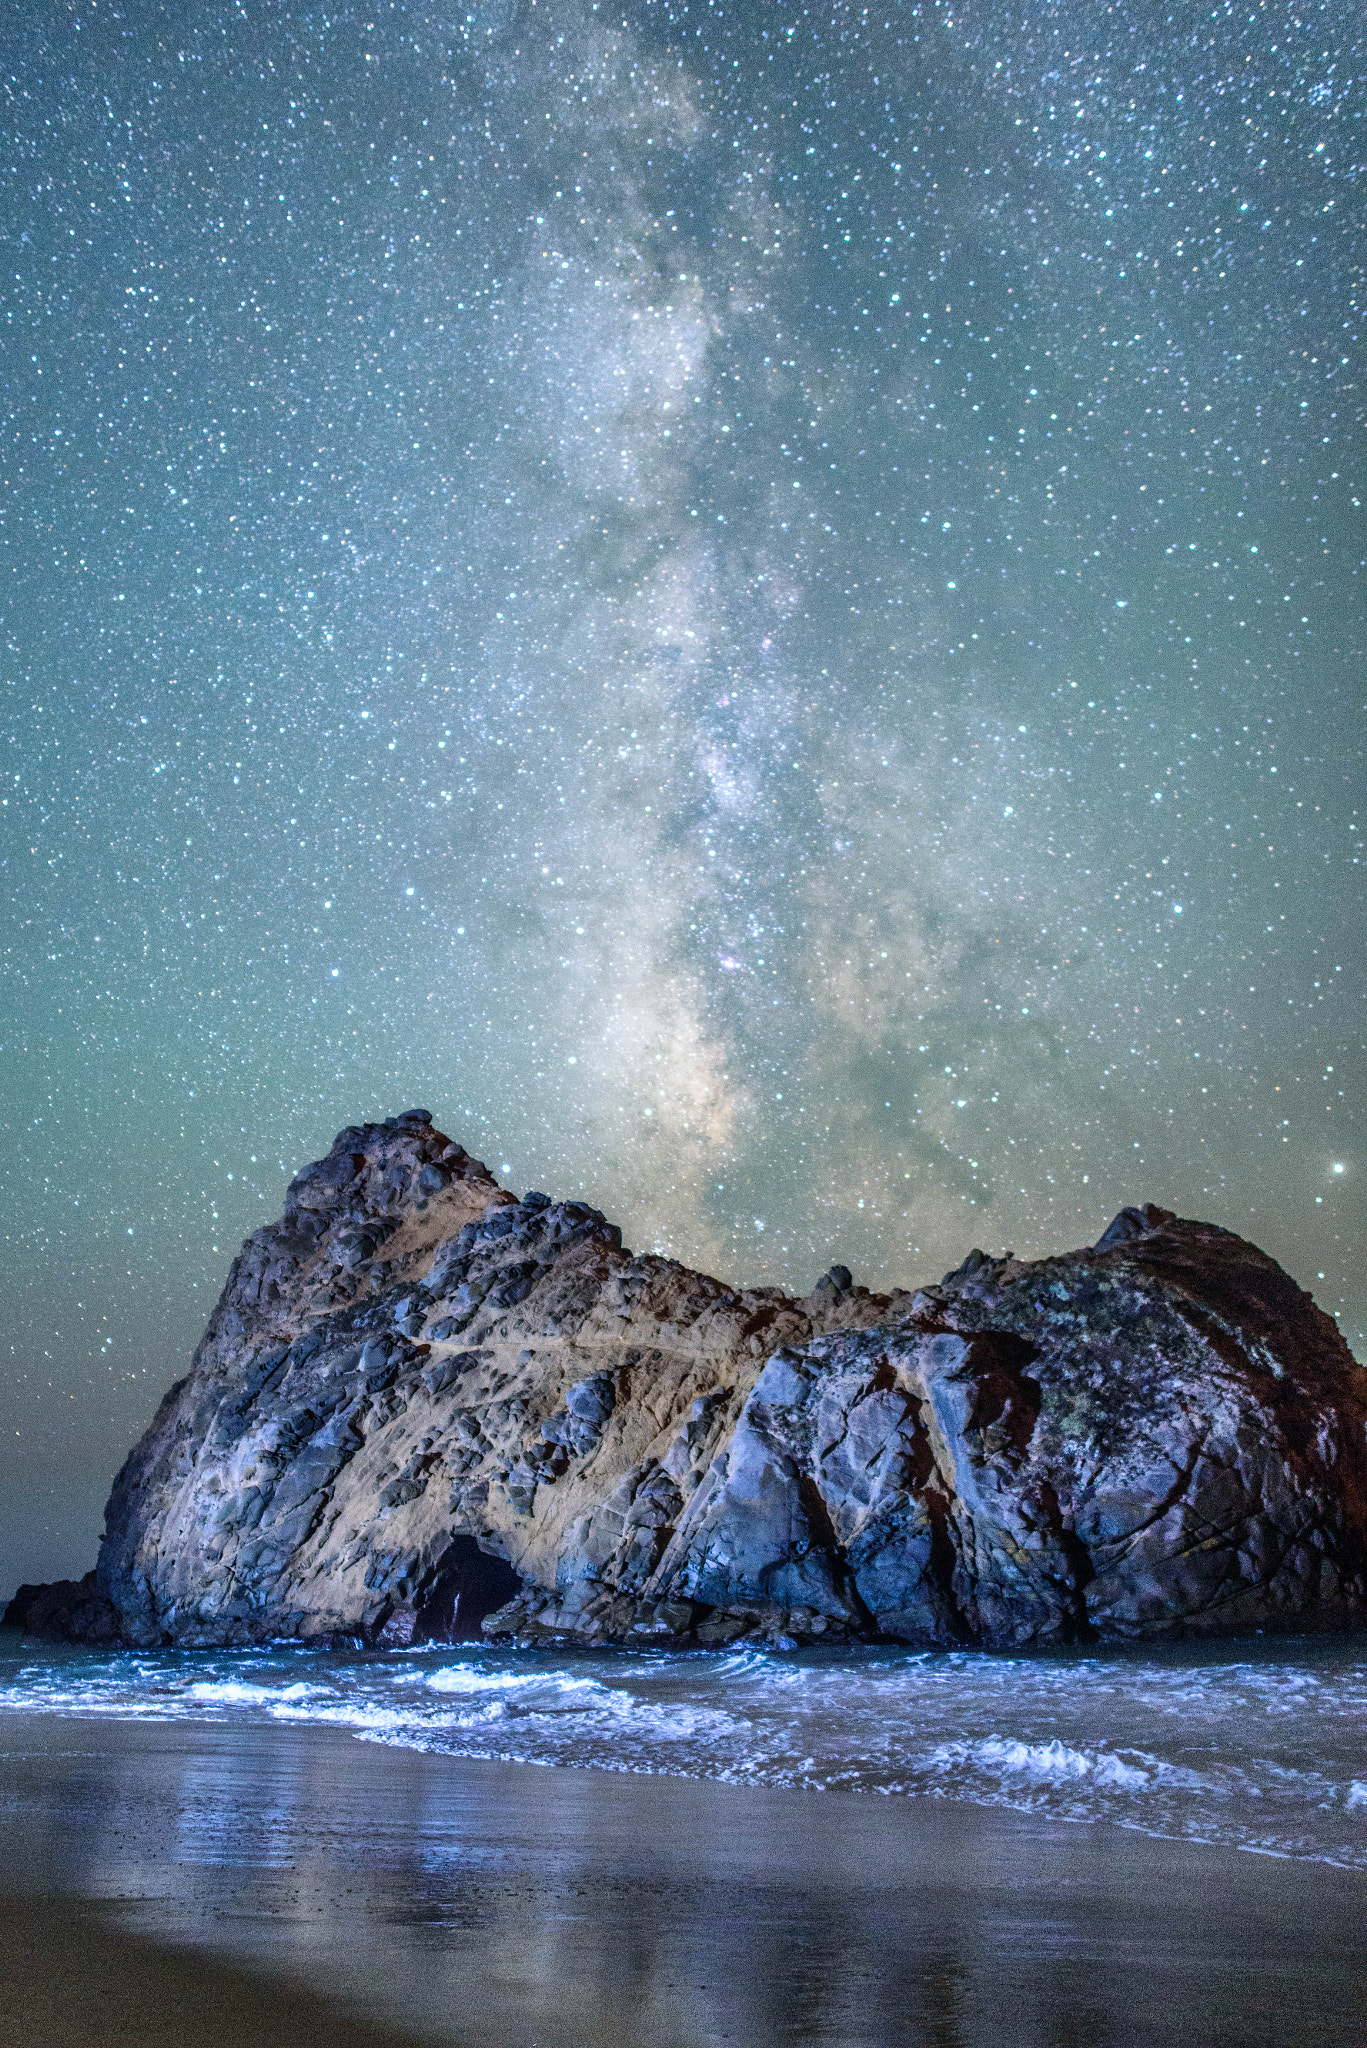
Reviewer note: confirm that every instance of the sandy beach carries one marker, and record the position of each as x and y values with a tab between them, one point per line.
211	1885
73	1977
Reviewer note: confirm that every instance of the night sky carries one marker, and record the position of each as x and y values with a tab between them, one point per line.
759	606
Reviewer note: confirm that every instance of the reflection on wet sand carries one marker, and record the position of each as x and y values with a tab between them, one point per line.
505	1904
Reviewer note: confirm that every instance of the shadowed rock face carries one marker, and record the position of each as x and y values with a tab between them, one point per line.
423	1408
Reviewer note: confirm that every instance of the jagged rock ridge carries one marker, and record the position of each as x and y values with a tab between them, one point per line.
423	1406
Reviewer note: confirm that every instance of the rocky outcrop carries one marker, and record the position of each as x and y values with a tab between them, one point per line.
424	1408
65	1610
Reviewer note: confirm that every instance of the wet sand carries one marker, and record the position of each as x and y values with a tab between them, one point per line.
208	1884
72	1977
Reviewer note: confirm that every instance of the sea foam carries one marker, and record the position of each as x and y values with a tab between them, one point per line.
1263	1750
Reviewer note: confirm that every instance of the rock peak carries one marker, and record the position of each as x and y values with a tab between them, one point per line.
1131	1223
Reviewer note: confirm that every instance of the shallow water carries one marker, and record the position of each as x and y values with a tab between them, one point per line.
489	1905
1257	1747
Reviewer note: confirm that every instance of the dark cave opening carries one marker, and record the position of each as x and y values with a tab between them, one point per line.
468	1585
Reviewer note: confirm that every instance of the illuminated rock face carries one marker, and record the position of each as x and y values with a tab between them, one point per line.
423	1408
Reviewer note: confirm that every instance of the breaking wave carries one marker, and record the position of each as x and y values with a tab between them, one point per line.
1263	1749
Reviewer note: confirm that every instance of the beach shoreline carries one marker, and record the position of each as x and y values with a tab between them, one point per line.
425	1897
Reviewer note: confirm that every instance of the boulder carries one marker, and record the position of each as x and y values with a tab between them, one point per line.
425	1409
65	1610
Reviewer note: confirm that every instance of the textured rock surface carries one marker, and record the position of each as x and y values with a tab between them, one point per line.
421	1405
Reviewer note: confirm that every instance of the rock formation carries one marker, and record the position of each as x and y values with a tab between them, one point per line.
423	1407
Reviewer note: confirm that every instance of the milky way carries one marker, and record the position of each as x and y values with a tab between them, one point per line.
759	607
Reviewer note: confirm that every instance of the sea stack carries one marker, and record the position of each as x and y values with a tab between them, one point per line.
425	1409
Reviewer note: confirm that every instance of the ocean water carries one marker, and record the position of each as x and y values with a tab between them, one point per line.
1263	1748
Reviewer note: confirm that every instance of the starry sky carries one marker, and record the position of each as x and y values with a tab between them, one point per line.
760	606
